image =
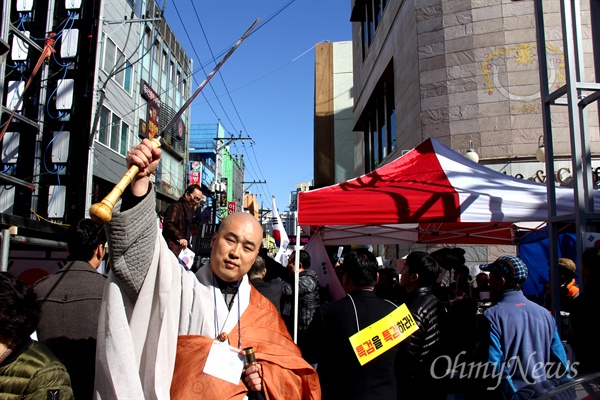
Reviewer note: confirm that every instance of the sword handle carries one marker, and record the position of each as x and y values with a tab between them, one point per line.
101	212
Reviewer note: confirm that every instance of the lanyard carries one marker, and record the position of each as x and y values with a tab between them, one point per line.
218	331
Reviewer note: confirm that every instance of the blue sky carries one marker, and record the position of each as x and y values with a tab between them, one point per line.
266	89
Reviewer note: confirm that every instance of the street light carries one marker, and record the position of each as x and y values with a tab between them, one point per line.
471	154
540	154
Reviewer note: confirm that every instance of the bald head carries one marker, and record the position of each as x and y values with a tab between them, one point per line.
240	217
235	246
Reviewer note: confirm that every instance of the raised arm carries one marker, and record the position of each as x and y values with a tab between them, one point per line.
133	228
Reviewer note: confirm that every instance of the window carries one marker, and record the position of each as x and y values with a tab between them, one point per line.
113	132
369	13
104	125
109	56
124	138
128	77
115	129
380	122
120	75
157	53
377	12
115	61
101	58
172	73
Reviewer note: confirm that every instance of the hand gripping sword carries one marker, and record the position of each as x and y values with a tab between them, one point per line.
102	212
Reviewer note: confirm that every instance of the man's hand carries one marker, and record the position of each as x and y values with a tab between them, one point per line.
253	377
146	157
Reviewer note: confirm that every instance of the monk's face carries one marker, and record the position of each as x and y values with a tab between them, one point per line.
235	247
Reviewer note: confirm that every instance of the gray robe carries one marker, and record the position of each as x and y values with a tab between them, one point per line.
149	300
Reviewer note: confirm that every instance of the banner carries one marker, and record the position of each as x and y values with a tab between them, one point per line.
379	337
320	263
230	207
279	234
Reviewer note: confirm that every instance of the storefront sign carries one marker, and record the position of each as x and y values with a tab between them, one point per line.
231	207
563	176
153	111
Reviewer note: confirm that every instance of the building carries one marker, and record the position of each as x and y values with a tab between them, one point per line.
464	72
334	153
222	172
114	73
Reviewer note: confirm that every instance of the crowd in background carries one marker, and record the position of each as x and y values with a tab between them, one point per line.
458	316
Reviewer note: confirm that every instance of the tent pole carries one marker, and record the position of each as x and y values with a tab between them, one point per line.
296	279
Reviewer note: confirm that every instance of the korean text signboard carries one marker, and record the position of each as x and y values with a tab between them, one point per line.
150	128
230	207
379	337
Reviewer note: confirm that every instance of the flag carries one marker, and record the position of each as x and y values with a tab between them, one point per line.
320	263
279	234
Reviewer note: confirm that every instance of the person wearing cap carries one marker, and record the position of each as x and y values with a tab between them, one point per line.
328	345
521	335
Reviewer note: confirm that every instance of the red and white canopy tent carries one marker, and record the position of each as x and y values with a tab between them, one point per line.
429	195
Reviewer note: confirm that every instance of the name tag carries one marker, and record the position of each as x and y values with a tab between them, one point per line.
224	362
379	337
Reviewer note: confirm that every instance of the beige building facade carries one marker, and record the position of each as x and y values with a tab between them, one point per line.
465	72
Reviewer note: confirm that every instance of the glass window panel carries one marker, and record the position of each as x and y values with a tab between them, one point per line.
101	61
392	129
109	56
157	53
104	125
128	77
390	114
124	138
154	82
375	142
383	136
120	76
377	12
115	128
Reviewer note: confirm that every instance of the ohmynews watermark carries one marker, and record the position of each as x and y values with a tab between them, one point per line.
530	371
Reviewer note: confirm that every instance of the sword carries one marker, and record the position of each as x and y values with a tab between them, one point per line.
102	212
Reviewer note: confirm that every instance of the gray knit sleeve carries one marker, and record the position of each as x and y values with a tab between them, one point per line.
131	238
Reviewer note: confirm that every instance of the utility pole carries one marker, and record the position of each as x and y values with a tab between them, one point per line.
217	184
252	183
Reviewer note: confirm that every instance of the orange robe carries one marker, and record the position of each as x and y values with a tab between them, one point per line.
285	373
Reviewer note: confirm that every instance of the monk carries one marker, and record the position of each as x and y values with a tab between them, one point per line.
165	332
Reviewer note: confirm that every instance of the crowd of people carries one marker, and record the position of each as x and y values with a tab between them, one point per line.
153	329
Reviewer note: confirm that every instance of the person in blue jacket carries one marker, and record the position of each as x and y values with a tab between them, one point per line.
525	349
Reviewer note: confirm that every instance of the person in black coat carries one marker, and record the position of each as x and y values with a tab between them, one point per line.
418	352
70	304
271	289
328	345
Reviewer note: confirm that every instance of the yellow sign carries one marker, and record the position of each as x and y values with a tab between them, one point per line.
379	337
